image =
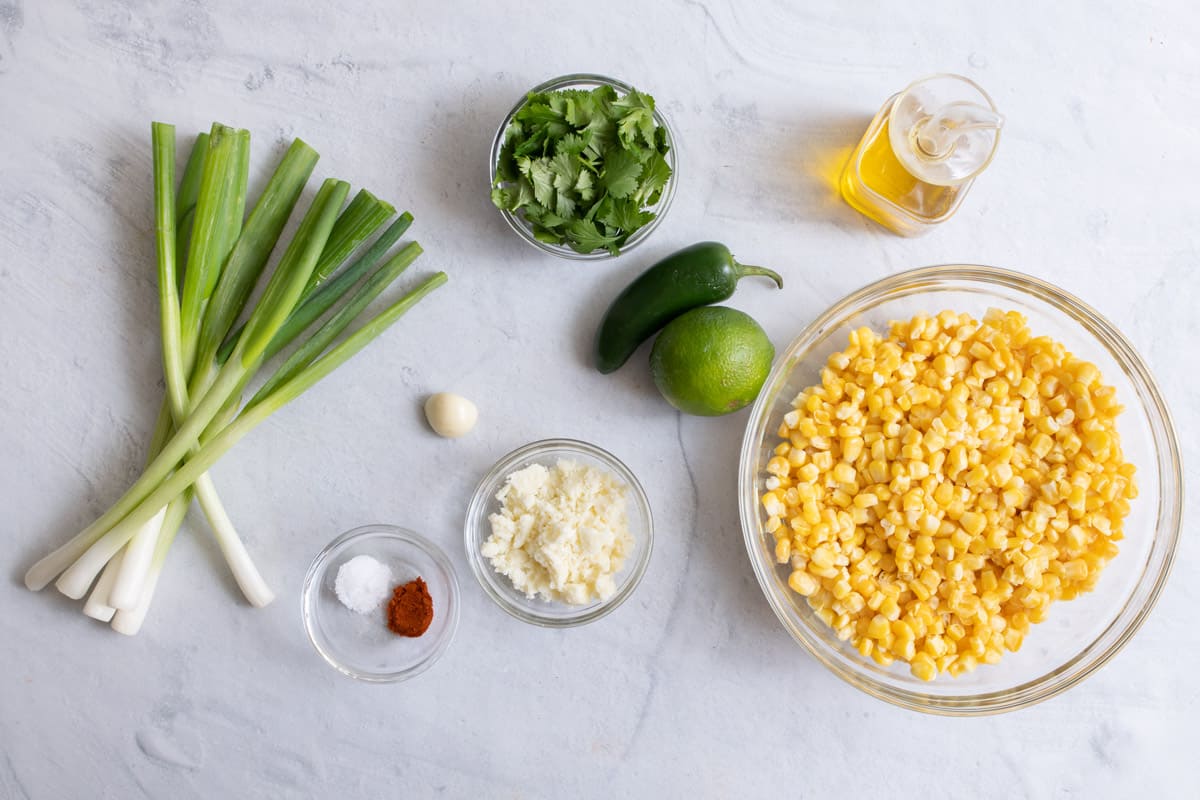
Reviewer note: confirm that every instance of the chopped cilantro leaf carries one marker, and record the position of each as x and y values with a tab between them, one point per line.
573	143
621	170
566	170
626	215
543	180
584	236
585	186
654	178
564	206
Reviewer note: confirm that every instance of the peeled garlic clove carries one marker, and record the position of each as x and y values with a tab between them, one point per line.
450	415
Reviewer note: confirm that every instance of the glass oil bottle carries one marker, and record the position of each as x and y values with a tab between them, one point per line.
921	154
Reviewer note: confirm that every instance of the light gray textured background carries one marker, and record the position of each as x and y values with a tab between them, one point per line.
692	689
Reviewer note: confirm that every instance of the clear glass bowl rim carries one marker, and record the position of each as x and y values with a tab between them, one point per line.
312	584
562	251
473	531
1170	501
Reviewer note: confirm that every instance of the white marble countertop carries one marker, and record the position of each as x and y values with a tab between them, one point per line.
692	688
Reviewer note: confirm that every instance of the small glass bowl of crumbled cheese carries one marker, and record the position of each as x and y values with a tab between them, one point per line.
559	533
351	601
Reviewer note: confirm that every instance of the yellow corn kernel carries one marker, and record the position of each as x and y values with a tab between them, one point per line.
960	539
919	589
844	473
977	477
1041	445
802	583
811	512
944	549
883	658
823	556
973	523
956	461
783	550
866	500
923	667
964	663
852	448
773	504
889	608
954	571
879	629
1075	570
935	647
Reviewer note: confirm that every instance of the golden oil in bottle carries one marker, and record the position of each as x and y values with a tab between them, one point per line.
921	154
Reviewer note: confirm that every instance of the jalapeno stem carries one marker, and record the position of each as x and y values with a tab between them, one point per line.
744	270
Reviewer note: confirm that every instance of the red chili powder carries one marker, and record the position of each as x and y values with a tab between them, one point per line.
410	610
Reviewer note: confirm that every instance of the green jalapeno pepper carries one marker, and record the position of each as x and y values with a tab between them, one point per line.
695	276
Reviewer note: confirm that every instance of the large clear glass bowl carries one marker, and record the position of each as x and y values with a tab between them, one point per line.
517	221
1080	635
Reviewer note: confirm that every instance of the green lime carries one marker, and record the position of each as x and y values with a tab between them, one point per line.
711	361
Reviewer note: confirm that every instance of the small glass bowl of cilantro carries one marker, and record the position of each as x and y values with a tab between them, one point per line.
583	167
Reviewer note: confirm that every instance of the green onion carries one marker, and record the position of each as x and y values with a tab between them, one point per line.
125	586
202	416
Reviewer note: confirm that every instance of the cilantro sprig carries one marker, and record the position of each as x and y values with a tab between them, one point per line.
583	167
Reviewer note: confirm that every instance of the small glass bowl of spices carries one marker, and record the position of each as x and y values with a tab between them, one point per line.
380	603
559	533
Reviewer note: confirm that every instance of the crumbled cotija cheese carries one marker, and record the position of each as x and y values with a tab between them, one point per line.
561	532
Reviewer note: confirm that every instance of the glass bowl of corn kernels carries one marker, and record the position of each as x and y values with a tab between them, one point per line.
961	490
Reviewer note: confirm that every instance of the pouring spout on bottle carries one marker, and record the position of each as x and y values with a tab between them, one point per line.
937	136
944	129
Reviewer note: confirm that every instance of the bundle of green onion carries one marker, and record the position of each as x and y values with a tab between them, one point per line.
210	258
